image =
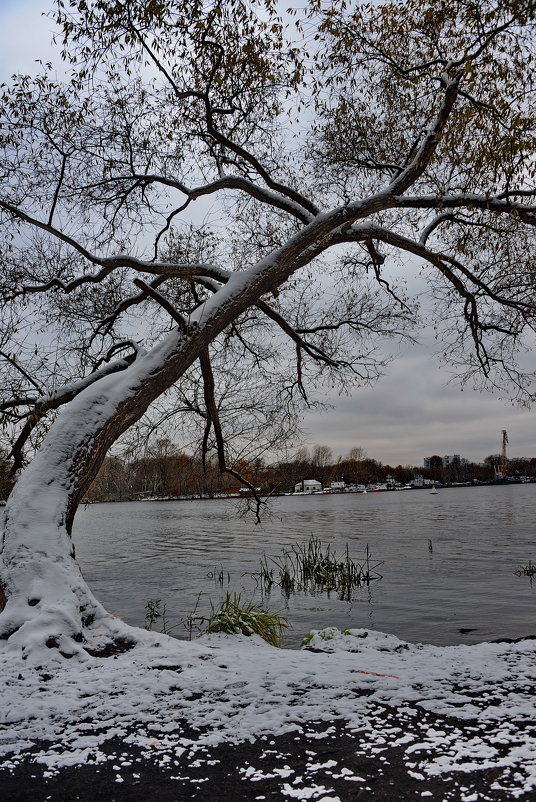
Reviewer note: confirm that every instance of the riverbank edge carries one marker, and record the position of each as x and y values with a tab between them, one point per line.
267	497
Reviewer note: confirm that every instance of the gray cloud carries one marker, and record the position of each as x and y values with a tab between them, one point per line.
411	413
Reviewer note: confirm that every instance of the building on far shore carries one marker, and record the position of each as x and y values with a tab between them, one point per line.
308	486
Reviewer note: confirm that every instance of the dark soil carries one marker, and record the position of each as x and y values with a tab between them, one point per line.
326	761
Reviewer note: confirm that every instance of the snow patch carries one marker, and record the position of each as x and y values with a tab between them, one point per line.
233	689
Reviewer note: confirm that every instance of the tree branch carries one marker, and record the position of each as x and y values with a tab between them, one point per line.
275	199
299	199
425	152
164	303
41	406
108	264
13	361
498	204
213	419
470	306
302	202
106	323
309	348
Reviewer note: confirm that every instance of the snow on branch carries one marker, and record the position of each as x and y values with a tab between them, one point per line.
40	406
428	147
276	199
499	204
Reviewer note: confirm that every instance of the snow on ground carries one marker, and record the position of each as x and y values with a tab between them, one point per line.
234	688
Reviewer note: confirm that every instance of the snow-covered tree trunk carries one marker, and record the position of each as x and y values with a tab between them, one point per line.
44	597
46	600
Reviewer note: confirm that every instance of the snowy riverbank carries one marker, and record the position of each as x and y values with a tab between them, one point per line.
176	700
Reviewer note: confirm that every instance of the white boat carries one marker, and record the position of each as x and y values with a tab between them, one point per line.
433	491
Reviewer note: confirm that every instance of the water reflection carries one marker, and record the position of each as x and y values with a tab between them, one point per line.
133	552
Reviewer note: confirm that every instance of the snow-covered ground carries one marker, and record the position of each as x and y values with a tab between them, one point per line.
234	688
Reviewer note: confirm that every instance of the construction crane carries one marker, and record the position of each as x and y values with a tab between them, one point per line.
501	470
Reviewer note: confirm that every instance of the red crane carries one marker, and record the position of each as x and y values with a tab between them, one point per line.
501	470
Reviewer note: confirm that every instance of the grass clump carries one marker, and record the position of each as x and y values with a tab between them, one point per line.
527	570
219	575
315	567
233	616
155	611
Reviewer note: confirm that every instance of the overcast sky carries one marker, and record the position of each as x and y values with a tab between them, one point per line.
412	412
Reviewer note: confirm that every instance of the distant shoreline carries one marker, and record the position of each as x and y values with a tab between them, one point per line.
239	496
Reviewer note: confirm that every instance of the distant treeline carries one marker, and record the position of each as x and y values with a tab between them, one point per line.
168	472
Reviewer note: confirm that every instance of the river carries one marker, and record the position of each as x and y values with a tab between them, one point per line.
449	560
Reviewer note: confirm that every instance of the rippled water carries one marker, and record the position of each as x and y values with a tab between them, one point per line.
132	552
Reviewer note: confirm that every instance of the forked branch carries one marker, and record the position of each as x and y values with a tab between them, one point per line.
213	421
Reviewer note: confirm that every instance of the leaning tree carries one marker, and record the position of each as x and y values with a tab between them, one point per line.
207	181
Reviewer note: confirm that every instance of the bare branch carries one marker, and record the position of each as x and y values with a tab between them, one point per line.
19	401
302	202
106	324
213	419
438	260
164	303
17	452
471	313
311	349
299	199
12	361
57	190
